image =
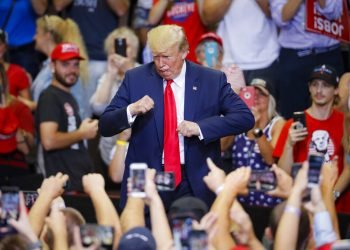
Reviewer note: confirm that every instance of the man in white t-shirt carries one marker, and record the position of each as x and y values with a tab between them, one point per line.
249	36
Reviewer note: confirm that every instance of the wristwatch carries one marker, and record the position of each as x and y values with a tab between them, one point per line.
258	132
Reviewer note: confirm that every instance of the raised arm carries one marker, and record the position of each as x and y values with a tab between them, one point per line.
50	189
157	11
159	221
290	9
120	7
39	6
294	135
287	230
106	214
60	5
264	6
214	11
235	182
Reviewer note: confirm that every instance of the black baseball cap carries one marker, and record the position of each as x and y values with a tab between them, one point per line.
325	72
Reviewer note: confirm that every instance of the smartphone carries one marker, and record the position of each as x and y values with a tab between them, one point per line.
9	204
211	53
138	179
198	240
262	180
299	116
120	46
165	181
91	233
181	228
248	95
315	167
30	197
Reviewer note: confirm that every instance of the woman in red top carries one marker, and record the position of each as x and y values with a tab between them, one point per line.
16	132
19	81
185	13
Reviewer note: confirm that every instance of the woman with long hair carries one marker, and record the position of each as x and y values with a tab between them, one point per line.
52	30
16	132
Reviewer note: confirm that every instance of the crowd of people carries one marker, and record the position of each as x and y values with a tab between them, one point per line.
235	98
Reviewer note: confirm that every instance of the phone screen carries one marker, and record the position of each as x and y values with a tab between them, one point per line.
92	233
198	240
299	117
247	94
315	166
181	228
165	181
138	179
30	197
9	205
262	180
120	46
211	54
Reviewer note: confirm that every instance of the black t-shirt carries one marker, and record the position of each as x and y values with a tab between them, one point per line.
58	106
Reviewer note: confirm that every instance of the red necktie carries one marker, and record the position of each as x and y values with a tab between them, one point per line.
171	138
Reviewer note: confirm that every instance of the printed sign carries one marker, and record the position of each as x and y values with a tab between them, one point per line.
337	29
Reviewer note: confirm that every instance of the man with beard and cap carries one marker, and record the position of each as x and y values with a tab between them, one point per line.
61	131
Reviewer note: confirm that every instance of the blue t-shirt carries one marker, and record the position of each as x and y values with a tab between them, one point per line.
21	23
95	20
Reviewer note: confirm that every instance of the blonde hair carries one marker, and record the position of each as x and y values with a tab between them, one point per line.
66	30
122	32
164	37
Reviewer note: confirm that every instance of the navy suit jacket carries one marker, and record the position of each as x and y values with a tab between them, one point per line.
209	101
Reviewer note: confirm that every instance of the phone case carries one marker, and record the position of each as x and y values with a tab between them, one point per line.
247	94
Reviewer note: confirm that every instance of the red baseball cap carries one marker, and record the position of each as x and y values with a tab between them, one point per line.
66	51
8	127
210	36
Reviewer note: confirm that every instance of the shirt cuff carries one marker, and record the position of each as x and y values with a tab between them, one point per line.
131	118
323	229
201	137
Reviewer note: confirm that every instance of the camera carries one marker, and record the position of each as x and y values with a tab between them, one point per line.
165	181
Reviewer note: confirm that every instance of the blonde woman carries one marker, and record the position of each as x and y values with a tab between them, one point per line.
108	85
52	30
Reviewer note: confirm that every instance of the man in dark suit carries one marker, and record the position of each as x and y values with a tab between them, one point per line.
205	109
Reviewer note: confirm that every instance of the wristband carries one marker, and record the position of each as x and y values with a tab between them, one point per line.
121	143
292	210
219	189
336	194
35	245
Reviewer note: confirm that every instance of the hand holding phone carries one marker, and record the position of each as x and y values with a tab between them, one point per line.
211	54
93	233
30	197
138	179
300	118
247	94
9	205
315	167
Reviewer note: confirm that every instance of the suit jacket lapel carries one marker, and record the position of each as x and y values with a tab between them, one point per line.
192	87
